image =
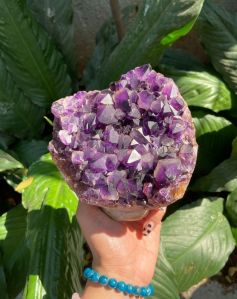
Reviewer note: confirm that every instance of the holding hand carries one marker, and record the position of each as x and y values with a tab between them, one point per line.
126	251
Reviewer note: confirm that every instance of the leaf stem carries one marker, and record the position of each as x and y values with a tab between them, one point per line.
116	12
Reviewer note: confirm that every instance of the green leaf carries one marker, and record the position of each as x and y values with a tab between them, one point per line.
200	88
159	23
53	235
18	115
234	148
197	241
56	17
31	58
164	280
231	207
3	285
29	151
211	131
13	248
5	140
219	36
221	178
106	41
7	162
181	60
234	232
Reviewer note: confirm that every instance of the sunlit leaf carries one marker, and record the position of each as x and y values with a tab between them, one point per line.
201	89
197	241
7	162
53	235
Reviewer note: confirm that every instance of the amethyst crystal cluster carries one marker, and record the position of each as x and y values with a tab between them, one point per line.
128	148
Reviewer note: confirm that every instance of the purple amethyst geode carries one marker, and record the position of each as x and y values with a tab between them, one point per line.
129	148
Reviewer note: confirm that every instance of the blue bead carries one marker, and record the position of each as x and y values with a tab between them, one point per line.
112	283
121	286
143	292
136	290
103	280
128	289
88	272
95	277
151	290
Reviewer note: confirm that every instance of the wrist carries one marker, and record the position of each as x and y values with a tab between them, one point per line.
97	279
126	273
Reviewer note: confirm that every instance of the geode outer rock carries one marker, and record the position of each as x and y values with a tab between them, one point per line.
129	148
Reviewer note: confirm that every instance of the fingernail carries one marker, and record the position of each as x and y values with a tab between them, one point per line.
147	228
75	296
162	209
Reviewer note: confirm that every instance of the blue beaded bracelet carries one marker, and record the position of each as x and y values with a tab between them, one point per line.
120	286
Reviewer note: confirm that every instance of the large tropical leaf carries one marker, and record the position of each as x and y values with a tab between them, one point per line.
222	178
53	236
106	42
181	60
197	241
5	140
56	16
7	162
18	115
164	279
158	24
201	89
219	36
211	131
234	232
3	284
29	151
31	58
231	207
14	250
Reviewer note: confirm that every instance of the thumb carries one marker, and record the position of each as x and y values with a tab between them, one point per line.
153	220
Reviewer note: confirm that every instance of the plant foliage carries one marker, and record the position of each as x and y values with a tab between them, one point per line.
42	252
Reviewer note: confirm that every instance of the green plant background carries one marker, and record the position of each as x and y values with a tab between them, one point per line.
42	250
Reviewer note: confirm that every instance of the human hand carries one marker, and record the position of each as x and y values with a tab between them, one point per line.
123	250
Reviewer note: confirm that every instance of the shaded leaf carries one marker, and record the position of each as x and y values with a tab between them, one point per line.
210	132
31	58
3	285
219	36
52	234
200	88
106	41
231	207
181	60
221	178
56	17
197	241
7	162
18	115
234	148
159	23
29	151
13	248
5	140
